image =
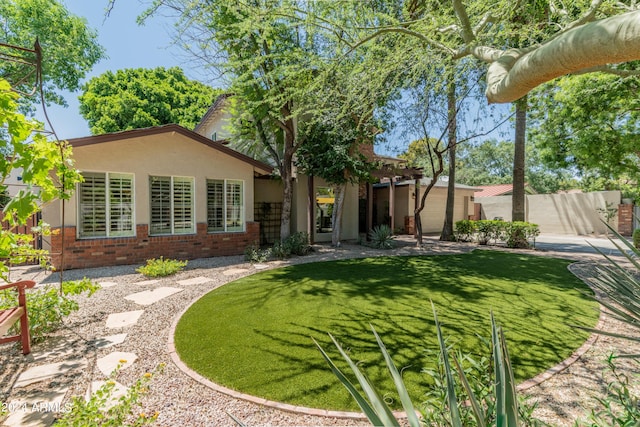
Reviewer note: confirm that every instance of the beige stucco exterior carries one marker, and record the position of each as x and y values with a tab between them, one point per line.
163	154
433	214
271	191
575	213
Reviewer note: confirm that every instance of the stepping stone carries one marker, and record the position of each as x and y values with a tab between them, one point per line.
117	392
54	348
151	296
260	266
108	363
38	408
234	271
109	341
47	372
148	282
194	281
121	320
107	284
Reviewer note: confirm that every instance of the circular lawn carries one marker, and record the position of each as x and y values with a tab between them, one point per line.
254	335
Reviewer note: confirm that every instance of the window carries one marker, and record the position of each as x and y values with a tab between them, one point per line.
105	205
225	205
171	205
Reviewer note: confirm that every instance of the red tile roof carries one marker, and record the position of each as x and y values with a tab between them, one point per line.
493	190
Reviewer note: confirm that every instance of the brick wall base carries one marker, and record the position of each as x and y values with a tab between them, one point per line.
101	252
625	219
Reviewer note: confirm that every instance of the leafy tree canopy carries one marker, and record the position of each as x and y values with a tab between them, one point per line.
69	48
590	123
47	172
139	98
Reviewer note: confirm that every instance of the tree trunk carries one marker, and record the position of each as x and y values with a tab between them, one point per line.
287	196
336	216
518	198
447	228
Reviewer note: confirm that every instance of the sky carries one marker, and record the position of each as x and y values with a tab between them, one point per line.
128	45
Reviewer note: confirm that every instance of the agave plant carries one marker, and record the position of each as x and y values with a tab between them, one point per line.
379	413
621	286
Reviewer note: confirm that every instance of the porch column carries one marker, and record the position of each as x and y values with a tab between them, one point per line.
416	205
392	184
369	207
311	203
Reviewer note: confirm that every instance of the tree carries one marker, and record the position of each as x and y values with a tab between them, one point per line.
139	98
47	172
332	152
590	123
69	48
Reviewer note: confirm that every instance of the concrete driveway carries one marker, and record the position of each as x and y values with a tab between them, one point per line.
576	244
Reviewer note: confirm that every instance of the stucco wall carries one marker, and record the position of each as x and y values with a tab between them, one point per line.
575	213
218	123
168	154
432	215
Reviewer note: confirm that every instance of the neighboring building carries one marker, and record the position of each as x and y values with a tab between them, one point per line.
160	191
433	214
500	190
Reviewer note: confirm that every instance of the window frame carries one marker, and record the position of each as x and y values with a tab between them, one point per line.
172	206
225	208
108	205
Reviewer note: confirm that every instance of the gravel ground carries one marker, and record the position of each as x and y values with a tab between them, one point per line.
180	400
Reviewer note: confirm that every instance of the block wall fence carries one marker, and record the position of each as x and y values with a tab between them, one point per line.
101	252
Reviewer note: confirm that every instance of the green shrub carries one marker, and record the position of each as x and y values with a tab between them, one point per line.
255	254
101	409
382	237
636	238
46	306
296	244
488	230
519	233
464	230
160	267
299	243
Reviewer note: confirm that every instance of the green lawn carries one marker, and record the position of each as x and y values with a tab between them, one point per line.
254	334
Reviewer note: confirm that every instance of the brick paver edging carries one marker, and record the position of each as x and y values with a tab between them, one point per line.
537	380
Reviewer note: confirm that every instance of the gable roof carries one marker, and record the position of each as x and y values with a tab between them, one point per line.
217	105
261	167
499	190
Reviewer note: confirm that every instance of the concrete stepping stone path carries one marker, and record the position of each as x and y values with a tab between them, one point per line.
124	319
194	281
110	362
109	341
48	371
152	296
107	284
39	408
117	392
148	282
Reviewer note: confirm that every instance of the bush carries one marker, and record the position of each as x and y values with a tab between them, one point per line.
465	230
296	244
489	230
47	306
636	238
382	237
161	267
255	254
101	408
519	233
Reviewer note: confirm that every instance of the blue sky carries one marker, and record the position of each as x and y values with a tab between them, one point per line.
128	45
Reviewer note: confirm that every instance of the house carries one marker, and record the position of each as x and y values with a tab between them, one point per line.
169	191
500	190
160	191
403	194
